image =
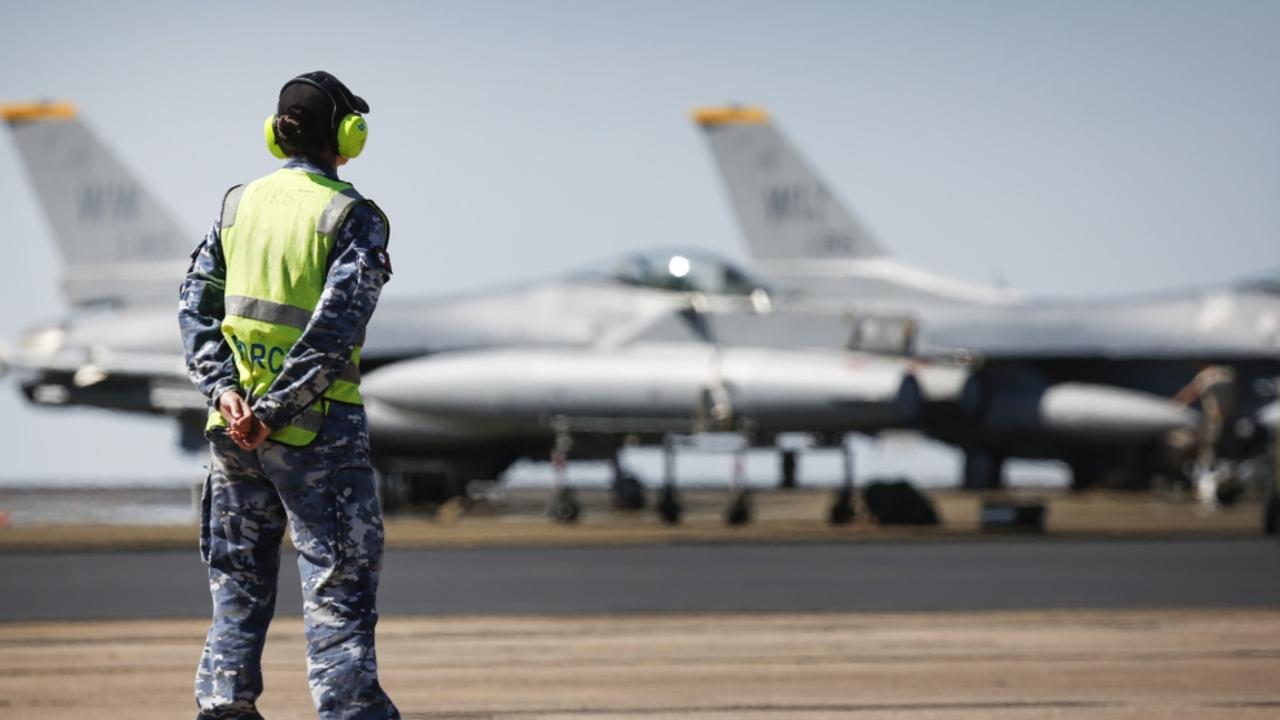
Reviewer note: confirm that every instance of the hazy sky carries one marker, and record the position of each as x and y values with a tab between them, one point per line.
1068	148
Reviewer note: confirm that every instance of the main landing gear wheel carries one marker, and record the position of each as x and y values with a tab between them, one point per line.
628	492
564	506
983	470
669	508
842	512
739	511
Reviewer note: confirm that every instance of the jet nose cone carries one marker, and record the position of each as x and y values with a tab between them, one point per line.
431	384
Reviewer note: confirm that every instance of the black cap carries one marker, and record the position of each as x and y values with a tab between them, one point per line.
322	94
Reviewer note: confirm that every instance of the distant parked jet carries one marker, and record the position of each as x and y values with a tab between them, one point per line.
456	388
1088	382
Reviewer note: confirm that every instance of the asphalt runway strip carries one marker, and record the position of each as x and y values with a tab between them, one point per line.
1007	574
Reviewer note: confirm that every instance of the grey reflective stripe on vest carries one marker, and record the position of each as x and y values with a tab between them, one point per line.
280	314
386	224
351	374
268	311
310	420
336	211
230	204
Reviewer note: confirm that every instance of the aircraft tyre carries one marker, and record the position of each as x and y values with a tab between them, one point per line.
983	470
628	492
564	507
669	507
842	511
898	502
1229	492
739	511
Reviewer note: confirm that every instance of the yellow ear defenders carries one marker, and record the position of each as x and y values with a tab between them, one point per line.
270	131
350	133
353	131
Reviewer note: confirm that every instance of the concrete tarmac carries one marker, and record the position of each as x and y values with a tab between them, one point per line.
1081	664
1004	574
518	518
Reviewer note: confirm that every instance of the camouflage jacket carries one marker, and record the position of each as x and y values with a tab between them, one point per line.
358	268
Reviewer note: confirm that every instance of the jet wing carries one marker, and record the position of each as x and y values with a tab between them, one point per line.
543	314
1230	324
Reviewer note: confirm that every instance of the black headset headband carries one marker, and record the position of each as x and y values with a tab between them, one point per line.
341	100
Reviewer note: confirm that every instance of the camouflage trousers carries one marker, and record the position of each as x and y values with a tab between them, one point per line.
324	496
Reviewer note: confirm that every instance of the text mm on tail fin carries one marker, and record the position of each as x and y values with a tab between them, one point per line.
785	209
117	243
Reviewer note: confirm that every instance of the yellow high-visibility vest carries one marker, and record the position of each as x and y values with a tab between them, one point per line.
277	232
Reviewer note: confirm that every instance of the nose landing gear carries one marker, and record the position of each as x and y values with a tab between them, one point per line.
842	510
564	507
669	506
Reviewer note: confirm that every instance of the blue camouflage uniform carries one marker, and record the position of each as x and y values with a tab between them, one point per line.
324	492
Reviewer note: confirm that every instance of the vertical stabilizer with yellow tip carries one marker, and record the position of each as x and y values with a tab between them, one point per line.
118	244
786	211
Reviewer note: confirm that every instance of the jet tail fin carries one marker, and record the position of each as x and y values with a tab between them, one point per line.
117	243
801	235
785	209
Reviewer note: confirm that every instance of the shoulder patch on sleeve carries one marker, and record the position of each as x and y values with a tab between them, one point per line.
381	257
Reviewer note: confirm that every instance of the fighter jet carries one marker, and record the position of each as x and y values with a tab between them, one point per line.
1089	383
459	388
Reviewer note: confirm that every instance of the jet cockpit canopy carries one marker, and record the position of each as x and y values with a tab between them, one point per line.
680	271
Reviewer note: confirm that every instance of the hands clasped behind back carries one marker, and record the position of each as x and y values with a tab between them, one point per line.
247	431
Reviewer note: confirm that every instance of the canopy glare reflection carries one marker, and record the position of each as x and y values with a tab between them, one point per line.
679	266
